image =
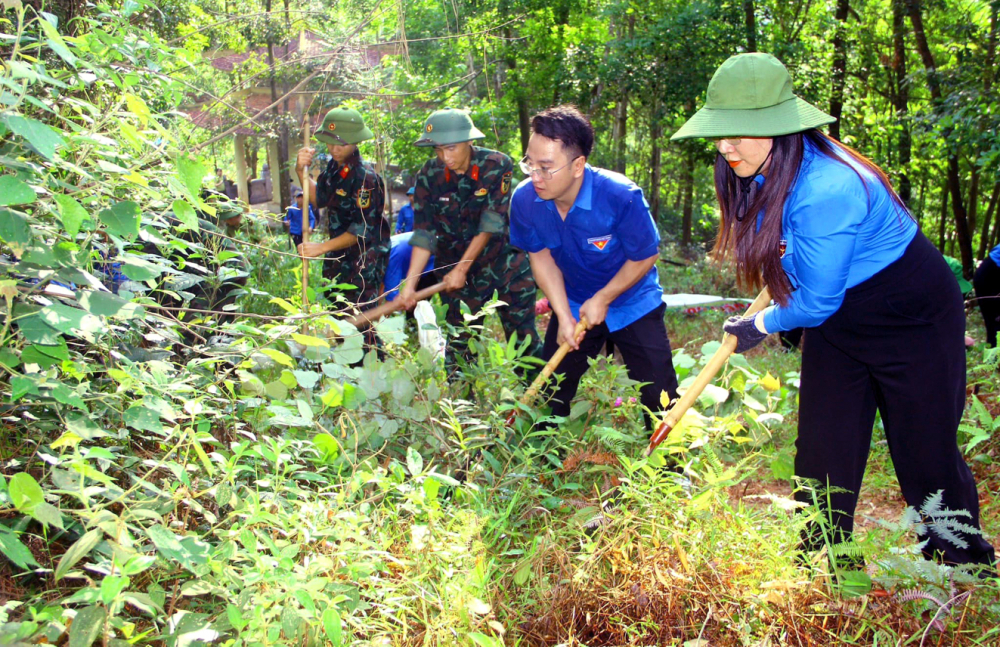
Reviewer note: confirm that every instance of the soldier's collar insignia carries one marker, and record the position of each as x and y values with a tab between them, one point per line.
447	175
481	192
474	174
341	193
345	170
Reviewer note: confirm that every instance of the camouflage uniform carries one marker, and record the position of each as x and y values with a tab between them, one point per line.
449	211
354	195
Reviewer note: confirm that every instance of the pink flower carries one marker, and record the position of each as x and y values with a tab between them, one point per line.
542	306
618	402
631	400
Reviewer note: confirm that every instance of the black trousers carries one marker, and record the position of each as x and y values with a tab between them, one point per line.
896	345
296	240
790	338
644	347
987	285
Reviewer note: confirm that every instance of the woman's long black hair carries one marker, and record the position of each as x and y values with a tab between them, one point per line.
757	254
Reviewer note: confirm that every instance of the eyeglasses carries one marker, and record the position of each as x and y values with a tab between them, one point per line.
732	141
544	173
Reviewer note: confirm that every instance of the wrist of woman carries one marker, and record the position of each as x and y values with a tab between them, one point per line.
758	322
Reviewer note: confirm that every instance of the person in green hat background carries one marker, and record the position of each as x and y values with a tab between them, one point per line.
357	250
821	226
461	200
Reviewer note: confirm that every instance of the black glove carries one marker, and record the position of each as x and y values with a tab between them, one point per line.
745	332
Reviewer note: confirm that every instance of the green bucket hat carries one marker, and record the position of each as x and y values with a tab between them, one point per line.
750	95
343	126
449	126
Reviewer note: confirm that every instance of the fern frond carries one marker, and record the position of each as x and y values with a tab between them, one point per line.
910	595
932	504
849	549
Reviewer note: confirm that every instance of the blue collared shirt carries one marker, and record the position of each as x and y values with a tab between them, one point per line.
399	264
608	225
294	219
404	219
838	232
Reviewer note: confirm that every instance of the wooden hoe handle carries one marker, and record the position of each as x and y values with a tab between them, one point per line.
370	316
547	370
706	375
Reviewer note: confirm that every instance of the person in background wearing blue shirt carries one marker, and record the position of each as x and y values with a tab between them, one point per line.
293	219
987	286
399	265
593	248
404	219
821	226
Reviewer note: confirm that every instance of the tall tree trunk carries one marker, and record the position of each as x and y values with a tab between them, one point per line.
280	174
523	118
921	200
944	216
984	237
901	99
988	76
523	121
656	131
688	191
839	66
954	181
751	25
619	132
972	207
995	238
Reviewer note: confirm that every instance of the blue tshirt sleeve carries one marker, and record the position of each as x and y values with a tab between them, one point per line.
825	225
522	231
636	230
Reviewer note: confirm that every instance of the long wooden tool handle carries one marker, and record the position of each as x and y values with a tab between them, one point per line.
706	375
552	364
370	316
306	231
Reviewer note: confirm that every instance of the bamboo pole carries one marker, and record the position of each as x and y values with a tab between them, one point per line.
306	231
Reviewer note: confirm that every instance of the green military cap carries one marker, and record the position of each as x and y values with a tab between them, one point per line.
750	95
449	126
343	126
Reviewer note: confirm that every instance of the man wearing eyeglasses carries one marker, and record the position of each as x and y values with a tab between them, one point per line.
593	248
460	215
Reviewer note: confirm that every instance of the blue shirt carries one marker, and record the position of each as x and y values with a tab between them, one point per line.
404	219
608	225
294	219
399	264
995	254
838	232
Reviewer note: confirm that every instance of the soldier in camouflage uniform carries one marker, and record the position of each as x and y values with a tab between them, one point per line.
357	252
460	208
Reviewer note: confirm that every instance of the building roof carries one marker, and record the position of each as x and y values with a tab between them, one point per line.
253	100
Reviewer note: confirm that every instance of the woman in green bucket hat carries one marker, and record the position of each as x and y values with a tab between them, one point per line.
821	226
